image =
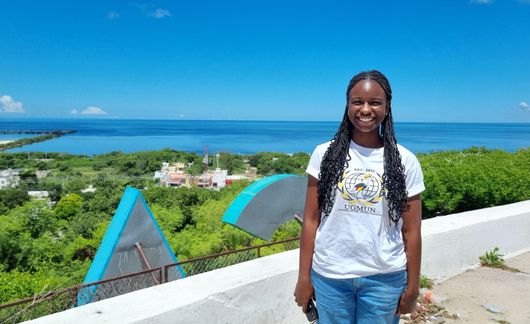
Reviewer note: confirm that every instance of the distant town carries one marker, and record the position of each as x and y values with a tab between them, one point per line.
175	175
170	175
192	170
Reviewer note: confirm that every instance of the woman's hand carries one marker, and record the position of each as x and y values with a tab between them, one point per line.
407	302
304	287
411	231
303	291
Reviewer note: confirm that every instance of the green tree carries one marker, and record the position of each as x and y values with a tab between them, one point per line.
195	169
36	217
170	220
10	198
231	162
63	167
11	242
75	185
68	206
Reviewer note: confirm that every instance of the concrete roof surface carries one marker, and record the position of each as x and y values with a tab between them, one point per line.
508	292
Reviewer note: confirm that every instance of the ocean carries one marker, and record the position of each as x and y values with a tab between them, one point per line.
97	136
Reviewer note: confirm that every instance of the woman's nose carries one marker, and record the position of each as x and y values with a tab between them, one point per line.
365	108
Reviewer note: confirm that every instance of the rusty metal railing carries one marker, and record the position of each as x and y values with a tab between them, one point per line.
63	299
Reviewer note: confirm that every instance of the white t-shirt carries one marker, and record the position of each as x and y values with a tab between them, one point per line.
356	239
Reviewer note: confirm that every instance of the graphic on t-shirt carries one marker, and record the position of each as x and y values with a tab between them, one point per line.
361	186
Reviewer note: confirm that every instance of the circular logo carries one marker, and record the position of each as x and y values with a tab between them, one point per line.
361	187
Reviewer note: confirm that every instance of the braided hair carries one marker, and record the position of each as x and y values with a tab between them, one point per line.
337	156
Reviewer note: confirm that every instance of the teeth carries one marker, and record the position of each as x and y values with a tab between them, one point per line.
365	119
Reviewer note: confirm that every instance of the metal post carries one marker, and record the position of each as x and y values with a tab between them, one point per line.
164	274
138	247
298	219
76	290
145	261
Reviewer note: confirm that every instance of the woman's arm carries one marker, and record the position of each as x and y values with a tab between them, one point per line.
304	287
411	231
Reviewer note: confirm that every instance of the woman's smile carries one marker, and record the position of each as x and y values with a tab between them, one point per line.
367	109
366	119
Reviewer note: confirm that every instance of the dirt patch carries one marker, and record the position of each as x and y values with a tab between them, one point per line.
482	295
427	312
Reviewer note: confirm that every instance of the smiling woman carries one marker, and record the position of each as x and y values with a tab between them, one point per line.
360	246
367	108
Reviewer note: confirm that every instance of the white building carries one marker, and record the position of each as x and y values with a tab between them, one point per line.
219	178
90	188
9	178
39	194
173	175
42	173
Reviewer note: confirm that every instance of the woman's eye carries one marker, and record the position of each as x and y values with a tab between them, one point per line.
356	102
376	103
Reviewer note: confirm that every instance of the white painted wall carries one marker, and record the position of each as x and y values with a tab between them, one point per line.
453	243
258	291
261	291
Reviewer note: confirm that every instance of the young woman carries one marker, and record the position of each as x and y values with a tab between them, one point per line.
360	247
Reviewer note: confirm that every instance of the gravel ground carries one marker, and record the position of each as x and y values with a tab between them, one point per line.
467	293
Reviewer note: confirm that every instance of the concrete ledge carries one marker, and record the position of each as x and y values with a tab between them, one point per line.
261	291
257	291
453	243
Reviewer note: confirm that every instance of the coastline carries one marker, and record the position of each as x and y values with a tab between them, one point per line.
9	144
335	121
100	136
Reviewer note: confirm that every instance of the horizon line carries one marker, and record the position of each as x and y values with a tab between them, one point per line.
93	118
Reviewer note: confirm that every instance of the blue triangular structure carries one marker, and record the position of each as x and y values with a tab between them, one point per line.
268	203
133	222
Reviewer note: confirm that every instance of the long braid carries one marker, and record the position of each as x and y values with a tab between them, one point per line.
333	163
394	184
336	158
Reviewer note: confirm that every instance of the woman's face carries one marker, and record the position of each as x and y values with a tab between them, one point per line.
367	106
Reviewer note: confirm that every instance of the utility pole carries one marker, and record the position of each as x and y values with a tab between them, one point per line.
205	159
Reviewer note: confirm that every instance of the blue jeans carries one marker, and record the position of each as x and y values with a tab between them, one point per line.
363	300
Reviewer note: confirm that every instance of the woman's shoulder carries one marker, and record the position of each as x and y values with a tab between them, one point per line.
403	150
322	148
406	155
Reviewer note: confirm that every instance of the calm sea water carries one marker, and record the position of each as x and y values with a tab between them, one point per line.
96	136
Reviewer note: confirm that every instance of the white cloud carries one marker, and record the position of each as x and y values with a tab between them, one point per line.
113	15
8	105
92	110
482	1
523	105
159	13
149	11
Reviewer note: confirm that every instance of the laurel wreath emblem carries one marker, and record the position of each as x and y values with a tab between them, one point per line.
361	187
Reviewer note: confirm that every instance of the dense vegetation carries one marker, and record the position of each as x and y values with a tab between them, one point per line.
46	245
49	244
458	181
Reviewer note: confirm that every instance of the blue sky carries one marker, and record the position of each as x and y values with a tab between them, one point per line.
447	61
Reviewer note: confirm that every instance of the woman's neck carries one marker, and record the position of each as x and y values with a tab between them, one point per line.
371	140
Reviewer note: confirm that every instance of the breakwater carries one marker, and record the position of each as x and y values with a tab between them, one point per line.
44	136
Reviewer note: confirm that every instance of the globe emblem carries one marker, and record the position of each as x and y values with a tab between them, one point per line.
363	186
